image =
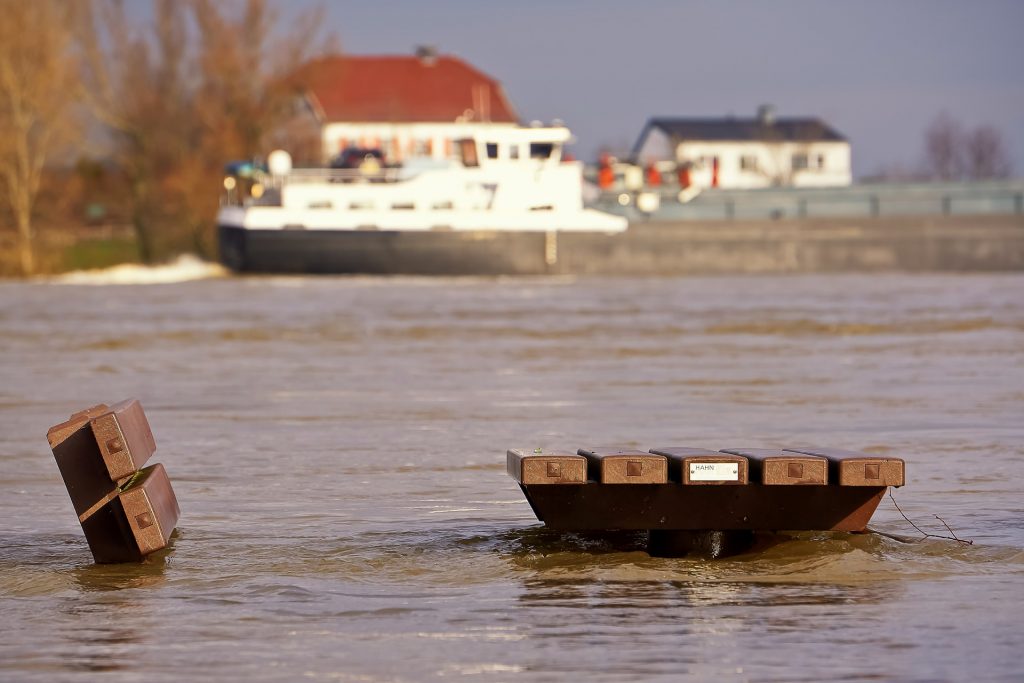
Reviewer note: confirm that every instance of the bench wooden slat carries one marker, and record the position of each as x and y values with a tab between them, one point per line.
151	508
547	467
125	513
611	465
81	466
671	506
701	467
124	438
854	468
56	434
775	467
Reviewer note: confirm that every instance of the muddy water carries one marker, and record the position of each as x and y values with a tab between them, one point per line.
337	446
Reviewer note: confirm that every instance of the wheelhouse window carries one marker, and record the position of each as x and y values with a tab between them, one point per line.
541	150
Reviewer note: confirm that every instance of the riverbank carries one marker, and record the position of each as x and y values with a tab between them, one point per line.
957	243
984	243
63	250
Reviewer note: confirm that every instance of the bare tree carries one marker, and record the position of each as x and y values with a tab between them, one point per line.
954	153
944	148
180	103
38	85
244	93
986	154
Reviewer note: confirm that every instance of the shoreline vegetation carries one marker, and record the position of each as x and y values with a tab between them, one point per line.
109	122
72	248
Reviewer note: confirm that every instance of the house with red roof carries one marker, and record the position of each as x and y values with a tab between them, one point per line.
413	106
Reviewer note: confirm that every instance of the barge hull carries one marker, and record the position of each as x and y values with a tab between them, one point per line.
903	244
383	252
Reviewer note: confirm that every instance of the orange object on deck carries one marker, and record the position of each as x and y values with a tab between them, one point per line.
653	176
684	177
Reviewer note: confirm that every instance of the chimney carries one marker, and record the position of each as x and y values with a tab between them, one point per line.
427	54
766	114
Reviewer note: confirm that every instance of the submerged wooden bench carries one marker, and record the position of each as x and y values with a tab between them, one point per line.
126	510
683	489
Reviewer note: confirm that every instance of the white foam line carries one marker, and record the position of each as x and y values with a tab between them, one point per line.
185	268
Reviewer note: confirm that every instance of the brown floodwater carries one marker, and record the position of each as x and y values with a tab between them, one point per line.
337	446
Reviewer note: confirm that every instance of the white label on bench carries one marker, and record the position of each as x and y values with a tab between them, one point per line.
714	471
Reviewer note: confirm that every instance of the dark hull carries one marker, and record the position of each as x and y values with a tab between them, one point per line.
905	244
392	252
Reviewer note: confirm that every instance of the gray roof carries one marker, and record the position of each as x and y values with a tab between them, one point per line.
799	130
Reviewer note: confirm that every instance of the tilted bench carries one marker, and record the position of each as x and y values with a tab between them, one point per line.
682	489
126	510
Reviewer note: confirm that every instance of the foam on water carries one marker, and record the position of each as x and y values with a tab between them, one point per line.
185	268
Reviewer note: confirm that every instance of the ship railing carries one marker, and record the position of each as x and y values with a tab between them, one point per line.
340	175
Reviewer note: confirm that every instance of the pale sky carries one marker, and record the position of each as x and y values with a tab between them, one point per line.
876	70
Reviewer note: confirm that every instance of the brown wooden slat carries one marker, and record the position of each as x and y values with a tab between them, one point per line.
701	467
775	467
546	467
853	468
151	508
124	438
81	466
56	434
97	452
611	465
109	537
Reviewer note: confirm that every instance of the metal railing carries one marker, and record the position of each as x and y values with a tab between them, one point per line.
866	200
341	175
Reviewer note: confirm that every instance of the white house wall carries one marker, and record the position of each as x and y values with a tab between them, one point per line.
772	163
402	140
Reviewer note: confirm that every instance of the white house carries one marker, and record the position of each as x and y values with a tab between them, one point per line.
406	106
748	153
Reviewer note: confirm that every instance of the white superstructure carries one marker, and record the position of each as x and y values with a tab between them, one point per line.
506	179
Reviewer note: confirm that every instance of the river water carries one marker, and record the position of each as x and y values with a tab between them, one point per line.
337	446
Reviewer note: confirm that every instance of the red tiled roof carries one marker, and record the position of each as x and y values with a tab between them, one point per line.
400	88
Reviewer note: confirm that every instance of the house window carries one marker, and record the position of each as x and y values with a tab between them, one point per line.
467	152
820	158
492	150
748	162
422	148
799	162
513	152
